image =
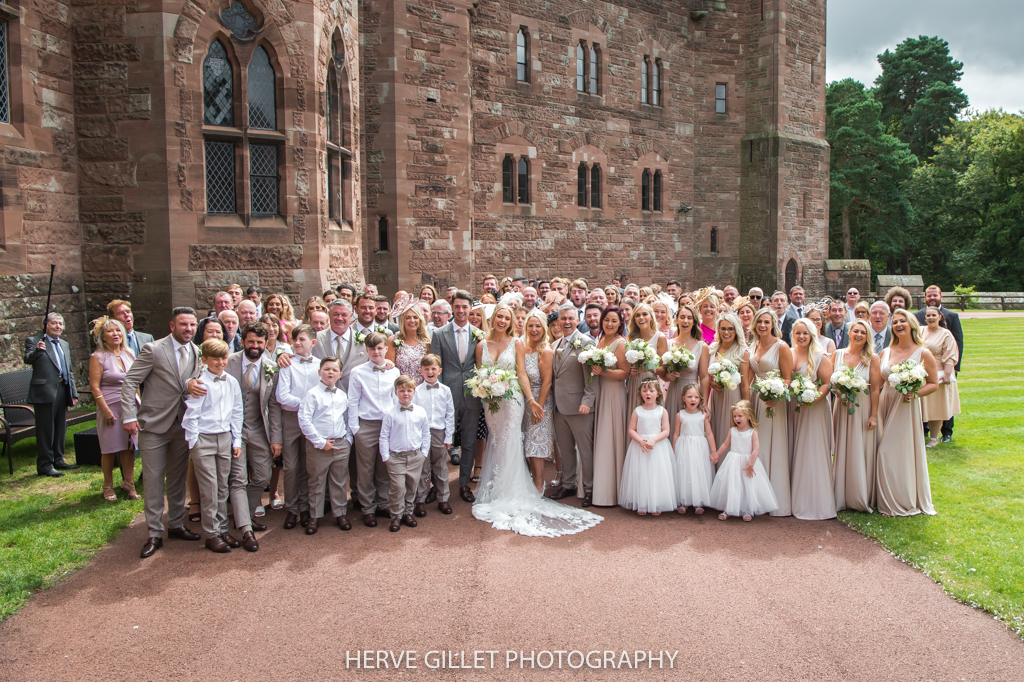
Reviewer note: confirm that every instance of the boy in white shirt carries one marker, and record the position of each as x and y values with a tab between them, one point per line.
436	400
322	418
213	430
293	382
404	447
371	393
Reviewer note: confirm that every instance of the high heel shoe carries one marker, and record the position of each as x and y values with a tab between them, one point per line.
557	480
130	489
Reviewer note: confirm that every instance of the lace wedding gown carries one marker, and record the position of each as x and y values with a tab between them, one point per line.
506	497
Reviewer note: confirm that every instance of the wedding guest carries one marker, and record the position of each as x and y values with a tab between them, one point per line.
408	347
813	493
648	483
449	294
229	318
382	316
693	445
275	346
818	319
404	446
107	368
533	362
852	298
632	291
319	321
366	310
902	486
504	286
329	296
429	294
689	337
898	298
708	307
944	403
862	311
323	419
756	296
613	295
51	392
745	310
933	299
235	291
165	366
770	353
731	293
338	340
881	335
592	316
599	297
122	312
313	303
610	437
293	383
436	399
578	295
673	288
208	328
371	394
346	292
370	289
837	328
854	434
626	306
276	305
519	324
663	316
795	310
529	298
248	313
440	314
728	345
222	301
741	484
642	326
489	285
255	296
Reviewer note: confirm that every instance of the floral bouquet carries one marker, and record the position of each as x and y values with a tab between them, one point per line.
847	383
908	377
771	389
677	359
725	373
804	390
639	354
492	385
597	357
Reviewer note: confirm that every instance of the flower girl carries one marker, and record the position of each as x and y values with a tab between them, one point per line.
648	481
741	485
693	447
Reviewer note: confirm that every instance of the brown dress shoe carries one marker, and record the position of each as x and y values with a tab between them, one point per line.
151	546
258	527
304	519
444	507
369	520
216	544
182	534
419	510
466	494
431	494
343	523
588	500
312	526
396	525
408	520
249	541
561	493
232	542
290	521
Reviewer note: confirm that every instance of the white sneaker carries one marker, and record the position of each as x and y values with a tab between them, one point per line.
260	511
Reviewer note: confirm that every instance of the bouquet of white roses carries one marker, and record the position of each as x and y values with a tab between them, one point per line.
492	385
847	383
677	359
725	373
771	389
597	357
804	390
640	355
908	377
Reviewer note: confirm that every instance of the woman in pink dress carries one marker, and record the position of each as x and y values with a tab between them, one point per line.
107	369
708	307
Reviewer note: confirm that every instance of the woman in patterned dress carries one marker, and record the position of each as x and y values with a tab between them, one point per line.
533	364
410	344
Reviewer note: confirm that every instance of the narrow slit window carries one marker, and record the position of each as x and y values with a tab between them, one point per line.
720	98
594	69
581	185
521	59
508	194
656	83
382	234
645	191
714	240
595	187
581	78
656	191
644	80
523	181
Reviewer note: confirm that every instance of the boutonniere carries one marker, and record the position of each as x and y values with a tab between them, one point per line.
380	329
269	371
360	337
398	342
478	334
576	343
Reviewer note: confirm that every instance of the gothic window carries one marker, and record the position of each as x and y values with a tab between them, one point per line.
581	78
515	180
333	104
218	84
263	179
508	192
521	56
5	88
523	181
645	191
595	187
581	185
262	92
791	274
714	240
645	83
720	98
656	191
656	83
338	136
220	177
595	68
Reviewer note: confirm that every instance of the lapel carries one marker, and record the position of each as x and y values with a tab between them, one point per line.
172	362
470	349
51	352
234	368
448	334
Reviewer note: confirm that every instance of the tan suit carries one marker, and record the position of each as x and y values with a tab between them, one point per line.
256	444
574	431
161	437
351	357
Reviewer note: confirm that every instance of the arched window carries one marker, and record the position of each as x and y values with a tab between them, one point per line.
262	92
580	69
218	87
645	80
645	191
523	181
714	240
333	105
581	185
382	234
521	60
656	83
791	274
656	191
508	192
595	187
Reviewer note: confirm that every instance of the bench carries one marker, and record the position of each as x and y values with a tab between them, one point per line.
18	417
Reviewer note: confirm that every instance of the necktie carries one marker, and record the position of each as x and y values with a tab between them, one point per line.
337	347
431	387
839	335
183	363
406	409
460	338
250	377
132	344
222	377
309	359
878	343
378	368
799	312
59	356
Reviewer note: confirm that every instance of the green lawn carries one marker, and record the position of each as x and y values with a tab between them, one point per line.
51	526
974	547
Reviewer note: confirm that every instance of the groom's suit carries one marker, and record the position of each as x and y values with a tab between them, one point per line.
453	375
574	430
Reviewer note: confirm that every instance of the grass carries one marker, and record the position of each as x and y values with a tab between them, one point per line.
51	526
974	547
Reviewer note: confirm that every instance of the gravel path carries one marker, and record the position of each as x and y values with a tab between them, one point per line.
775	599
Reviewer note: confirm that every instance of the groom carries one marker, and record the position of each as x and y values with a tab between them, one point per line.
574	406
455	344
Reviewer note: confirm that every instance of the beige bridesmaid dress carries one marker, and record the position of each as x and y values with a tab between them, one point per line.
772	434
902	487
854	465
610	439
944	403
813	494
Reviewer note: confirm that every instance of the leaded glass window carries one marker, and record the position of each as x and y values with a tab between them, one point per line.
656	191
523	181
262	92
594	70
720	99
656	83
218	87
521	70
333	105
220	177
644	81
5	89
581	78
508	194
645	191
334	187
595	187
263	179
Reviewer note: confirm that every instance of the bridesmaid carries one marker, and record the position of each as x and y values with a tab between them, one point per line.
410	344
663	317
768	353
745	310
107	369
813	495
944	403
627	306
818	318
730	346
708	308
854	466
642	325
689	337
610	439
901	475
534	359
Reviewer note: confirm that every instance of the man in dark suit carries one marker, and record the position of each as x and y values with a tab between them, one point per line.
122	312
933	299
837	329
51	391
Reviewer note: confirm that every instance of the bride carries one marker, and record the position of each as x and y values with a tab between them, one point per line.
506	496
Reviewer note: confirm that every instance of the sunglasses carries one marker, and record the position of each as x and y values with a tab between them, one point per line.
851	293
755	296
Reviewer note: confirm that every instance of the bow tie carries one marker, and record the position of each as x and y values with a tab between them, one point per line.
431	387
330	389
309	359
406	409
222	377
378	368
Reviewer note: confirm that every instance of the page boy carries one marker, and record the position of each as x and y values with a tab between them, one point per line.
436	400
293	382
404	447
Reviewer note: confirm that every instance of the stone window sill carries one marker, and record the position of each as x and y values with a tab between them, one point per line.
265	221
8	12
265	135
223	220
214	132
9	131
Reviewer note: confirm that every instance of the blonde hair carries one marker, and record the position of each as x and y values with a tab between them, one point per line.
915	328
100	324
686	389
753	325
214	348
814	349
736	350
868	351
421	324
405	381
653	381
746	408
510	330
634	330
545	339
861	305
310	301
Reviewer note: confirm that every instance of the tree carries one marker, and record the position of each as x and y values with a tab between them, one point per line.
868	210
918	92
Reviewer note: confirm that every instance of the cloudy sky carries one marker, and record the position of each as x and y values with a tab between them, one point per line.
986	35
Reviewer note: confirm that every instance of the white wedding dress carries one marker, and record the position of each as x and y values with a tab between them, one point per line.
506	497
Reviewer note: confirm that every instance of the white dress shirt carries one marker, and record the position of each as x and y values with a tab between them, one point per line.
405	430
219	411
322	415
439	406
371	393
296	380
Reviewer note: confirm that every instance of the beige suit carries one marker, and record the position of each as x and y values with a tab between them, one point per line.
351	357
574	431
161	438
